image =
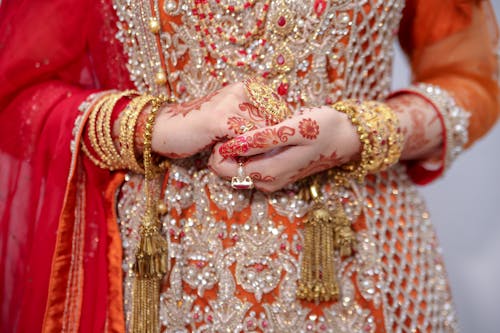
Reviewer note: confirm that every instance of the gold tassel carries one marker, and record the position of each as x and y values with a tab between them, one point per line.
344	235
150	267
318	282
151	257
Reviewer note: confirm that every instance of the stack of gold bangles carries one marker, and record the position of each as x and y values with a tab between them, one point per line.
151	255
107	152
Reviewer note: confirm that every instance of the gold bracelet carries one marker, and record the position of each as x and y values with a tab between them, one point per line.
105	129
128	122
380	135
94	143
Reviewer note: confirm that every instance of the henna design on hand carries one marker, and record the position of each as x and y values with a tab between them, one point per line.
253	112
234	147
186	107
239	125
269	137
257	176
315	166
262	139
309	128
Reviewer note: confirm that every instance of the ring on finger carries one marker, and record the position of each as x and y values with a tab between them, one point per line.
242	181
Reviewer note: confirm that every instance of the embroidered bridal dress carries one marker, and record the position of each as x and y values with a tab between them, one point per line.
69	229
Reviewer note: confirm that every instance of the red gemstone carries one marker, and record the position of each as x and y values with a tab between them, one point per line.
283	89
282	21
319	7
219	30
247	4
232	39
210	318
202	16
280	59
231	8
259	23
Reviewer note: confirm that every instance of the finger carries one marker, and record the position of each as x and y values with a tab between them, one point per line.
272	171
260	141
223	167
239	125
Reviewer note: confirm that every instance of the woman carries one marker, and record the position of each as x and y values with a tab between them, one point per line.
239	258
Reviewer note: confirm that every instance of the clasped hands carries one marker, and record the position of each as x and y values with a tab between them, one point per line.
226	122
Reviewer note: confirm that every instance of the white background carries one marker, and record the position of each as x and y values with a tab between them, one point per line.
465	209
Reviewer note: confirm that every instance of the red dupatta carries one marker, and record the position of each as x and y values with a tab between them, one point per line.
60	252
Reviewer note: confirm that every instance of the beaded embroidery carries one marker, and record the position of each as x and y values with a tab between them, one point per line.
350	58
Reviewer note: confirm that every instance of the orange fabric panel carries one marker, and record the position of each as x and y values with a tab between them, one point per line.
452	43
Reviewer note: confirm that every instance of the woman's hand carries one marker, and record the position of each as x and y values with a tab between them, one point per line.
182	130
315	140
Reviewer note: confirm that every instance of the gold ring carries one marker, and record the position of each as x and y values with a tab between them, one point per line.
269	103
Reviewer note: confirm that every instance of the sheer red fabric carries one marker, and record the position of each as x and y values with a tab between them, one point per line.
50	59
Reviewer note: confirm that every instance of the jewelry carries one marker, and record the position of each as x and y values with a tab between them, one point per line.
151	257
107	154
246	127
128	123
328	231
242	181
274	109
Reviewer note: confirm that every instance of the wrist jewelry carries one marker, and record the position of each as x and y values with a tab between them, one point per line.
273	108
105	153
151	257
128	123
327	231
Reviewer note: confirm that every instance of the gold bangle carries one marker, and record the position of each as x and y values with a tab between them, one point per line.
380	135
128	122
105	129
94	143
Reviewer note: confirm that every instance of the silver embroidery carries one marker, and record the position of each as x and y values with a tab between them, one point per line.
240	276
